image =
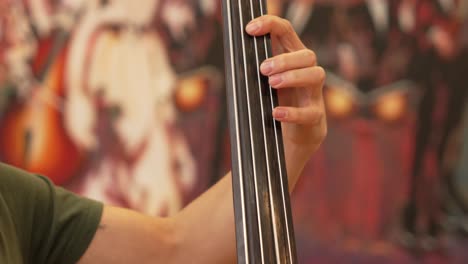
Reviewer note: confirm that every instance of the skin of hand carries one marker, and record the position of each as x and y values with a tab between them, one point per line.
204	231
293	71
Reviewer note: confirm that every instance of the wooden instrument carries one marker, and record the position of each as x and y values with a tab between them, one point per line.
32	134
264	227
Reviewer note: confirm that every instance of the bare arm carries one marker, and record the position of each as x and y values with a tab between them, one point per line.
204	232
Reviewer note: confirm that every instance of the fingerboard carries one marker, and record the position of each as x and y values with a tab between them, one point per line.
264	228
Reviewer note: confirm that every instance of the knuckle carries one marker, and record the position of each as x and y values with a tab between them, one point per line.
310	55
320	126
321	74
269	20
294	115
322	123
292	76
312	117
287	25
323	132
281	63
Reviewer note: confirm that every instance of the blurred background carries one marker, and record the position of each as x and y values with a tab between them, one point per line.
124	101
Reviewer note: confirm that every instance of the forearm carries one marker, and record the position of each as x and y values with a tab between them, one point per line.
205	229
203	232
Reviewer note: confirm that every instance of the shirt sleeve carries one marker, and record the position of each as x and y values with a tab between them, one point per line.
53	224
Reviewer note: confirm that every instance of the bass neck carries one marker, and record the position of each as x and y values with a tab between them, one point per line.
264	228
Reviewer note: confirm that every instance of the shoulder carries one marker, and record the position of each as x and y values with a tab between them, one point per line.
21	189
47	216
8	171
13	179
10	176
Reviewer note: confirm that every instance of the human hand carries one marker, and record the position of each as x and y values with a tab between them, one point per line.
293	71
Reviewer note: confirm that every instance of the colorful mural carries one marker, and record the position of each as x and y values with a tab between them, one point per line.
123	101
395	93
93	99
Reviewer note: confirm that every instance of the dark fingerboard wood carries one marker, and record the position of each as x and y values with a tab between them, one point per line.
264	228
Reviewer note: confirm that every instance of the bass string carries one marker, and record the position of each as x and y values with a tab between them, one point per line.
236	118
265	143
280	165
247	89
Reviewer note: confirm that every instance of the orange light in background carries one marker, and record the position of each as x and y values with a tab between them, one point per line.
190	93
391	107
339	103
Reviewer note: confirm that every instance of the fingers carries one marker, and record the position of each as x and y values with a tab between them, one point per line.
279	28
295	68
289	61
304	116
305	77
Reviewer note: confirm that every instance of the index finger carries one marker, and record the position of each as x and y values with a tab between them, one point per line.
279	28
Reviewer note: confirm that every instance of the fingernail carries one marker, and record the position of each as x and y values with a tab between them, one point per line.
253	27
280	113
275	80
267	67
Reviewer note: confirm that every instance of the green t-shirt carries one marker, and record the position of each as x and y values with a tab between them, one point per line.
41	223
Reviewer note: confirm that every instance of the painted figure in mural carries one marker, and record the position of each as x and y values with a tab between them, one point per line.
440	63
458	164
377	54
370	100
106	77
5	40
120	86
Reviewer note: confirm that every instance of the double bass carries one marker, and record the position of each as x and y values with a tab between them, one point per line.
264	228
